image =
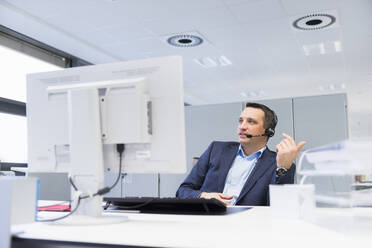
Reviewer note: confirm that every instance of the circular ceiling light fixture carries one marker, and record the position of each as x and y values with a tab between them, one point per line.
314	21
184	40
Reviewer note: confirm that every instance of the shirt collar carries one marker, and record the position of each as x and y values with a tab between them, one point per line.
255	155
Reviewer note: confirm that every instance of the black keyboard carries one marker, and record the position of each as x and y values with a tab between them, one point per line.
167	205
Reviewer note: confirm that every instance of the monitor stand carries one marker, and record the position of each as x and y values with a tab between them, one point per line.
86	154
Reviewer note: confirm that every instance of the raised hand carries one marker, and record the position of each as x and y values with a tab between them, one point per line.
287	151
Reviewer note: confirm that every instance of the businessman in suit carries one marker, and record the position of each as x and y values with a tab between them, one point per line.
239	173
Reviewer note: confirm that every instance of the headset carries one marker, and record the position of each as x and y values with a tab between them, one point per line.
270	131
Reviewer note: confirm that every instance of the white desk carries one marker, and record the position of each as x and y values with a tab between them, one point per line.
332	227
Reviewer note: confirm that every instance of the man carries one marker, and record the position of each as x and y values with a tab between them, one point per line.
240	174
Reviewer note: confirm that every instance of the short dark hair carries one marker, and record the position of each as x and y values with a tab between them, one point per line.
270	119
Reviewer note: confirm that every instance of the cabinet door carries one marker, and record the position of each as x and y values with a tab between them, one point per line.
140	185
204	124
110	178
320	120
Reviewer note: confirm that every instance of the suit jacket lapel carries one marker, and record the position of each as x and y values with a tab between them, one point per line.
227	158
262	165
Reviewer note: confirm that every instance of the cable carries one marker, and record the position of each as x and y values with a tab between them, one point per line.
62	217
107	205
120	149
56	204
72	183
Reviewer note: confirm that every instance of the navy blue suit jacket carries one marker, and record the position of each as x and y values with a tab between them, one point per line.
209	175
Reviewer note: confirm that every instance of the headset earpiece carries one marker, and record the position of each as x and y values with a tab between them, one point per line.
269	132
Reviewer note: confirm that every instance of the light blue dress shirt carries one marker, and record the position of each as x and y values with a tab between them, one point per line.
239	173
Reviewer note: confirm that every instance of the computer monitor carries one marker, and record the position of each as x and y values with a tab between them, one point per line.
76	117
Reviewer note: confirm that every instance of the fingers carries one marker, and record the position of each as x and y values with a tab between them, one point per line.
281	146
218	196
286	136
223	196
300	145
289	140
223	201
287	143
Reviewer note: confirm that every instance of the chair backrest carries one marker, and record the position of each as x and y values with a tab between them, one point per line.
194	161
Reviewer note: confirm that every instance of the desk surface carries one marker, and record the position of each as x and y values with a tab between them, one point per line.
336	227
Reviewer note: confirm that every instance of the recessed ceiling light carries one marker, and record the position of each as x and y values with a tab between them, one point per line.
314	21
224	61
333	87
252	94
337	45
206	62
209	62
322	48
184	40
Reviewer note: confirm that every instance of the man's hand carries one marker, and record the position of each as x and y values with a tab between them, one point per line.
287	151
219	196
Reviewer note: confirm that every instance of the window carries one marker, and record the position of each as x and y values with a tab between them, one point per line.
15	66
13	126
19	56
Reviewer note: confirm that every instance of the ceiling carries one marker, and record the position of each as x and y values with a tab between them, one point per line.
250	49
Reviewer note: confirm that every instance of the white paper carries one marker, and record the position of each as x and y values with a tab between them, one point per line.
5	212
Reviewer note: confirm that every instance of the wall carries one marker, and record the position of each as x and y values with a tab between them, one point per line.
318	120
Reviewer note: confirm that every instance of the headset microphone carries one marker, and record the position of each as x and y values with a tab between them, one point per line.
269	132
251	136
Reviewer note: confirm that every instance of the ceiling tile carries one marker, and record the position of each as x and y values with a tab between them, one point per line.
358	55
40	8
294	7
356	17
255	11
136	46
228	2
187	21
